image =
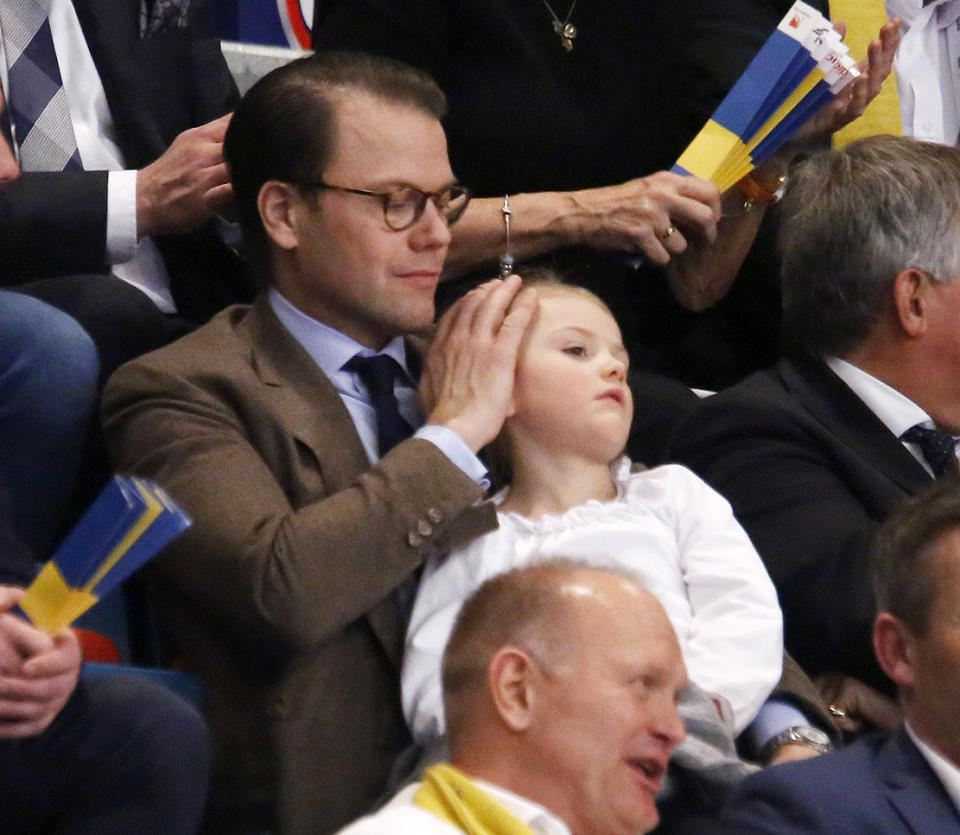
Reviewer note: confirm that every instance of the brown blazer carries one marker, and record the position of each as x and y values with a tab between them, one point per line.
280	592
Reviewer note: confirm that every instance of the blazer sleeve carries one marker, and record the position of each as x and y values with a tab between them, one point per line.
777	799
811	529
289	564
54	223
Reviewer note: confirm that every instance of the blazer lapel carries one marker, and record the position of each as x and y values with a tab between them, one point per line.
315	415
311	407
913	789
844	414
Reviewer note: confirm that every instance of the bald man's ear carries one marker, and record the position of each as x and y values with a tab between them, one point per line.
279	205
910	289
893	644
510	679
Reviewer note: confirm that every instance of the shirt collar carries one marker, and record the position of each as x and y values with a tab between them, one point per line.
946	771
541	821
894	409
329	348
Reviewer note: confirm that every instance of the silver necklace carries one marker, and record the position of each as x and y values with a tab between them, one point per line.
565	30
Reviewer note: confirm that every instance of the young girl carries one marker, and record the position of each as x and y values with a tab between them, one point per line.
573	494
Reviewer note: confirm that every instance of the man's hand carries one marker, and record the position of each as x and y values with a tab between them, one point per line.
857	707
855	97
467	384
187	185
37	673
636	216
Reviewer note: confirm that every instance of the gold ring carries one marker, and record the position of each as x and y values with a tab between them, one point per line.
668	232
839	712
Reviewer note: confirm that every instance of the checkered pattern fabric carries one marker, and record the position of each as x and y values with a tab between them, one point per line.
36	102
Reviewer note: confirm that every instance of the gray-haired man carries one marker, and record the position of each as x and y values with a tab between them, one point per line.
815	453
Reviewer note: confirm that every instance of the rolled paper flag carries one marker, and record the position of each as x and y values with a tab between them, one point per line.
131	521
800	68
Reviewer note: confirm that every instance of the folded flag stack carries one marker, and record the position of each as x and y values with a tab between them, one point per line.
130	522
799	69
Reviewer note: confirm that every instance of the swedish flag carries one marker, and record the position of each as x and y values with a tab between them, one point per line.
130	522
800	68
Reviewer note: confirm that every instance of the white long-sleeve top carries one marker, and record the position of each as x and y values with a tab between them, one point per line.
672	531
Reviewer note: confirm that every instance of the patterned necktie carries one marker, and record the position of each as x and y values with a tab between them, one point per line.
36	101
937	447
378	374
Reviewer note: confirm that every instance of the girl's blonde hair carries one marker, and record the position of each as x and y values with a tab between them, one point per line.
498	454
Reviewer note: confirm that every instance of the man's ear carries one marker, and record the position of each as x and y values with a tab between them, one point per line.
893	644
510	679
279	204
910	288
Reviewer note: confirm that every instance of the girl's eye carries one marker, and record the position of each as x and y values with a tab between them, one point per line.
575	350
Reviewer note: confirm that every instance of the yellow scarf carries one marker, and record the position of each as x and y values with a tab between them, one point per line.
864	19
452	796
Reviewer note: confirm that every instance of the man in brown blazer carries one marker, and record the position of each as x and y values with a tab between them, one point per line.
289	592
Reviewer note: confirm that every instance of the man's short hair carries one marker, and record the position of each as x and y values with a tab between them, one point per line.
851	221
905	566
284	127
523	608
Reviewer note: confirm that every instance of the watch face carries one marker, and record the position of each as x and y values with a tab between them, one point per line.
812	736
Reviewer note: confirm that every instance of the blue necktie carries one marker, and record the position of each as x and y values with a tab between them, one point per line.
937	447
378	373
36	101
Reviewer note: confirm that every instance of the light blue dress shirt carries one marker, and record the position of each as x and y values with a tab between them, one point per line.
332	350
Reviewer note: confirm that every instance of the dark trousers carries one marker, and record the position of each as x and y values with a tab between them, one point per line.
123	756
121	320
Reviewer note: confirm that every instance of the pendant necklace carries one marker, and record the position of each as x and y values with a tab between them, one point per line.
566	31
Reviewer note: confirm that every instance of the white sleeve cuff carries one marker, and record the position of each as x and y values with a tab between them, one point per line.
452	445
121	216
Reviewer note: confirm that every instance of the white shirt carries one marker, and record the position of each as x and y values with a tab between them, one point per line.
666	526
138	263
401	817
331	350
927	70
895	410
946	771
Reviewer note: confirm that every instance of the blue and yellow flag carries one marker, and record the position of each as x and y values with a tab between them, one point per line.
800	68
130	522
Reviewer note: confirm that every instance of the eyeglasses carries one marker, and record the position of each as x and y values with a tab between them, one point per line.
404	206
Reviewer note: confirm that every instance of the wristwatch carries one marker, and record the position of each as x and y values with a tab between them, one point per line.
799	735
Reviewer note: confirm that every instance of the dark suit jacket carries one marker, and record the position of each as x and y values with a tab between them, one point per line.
880	784
280	593
811	473
156	87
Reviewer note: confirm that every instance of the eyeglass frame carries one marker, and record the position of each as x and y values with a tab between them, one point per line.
385	197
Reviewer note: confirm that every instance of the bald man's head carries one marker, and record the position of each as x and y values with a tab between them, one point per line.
560	683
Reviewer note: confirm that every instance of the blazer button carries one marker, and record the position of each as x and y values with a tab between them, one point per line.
424	528
434	515
414	539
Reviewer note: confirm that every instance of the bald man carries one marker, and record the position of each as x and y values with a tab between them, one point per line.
560	688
